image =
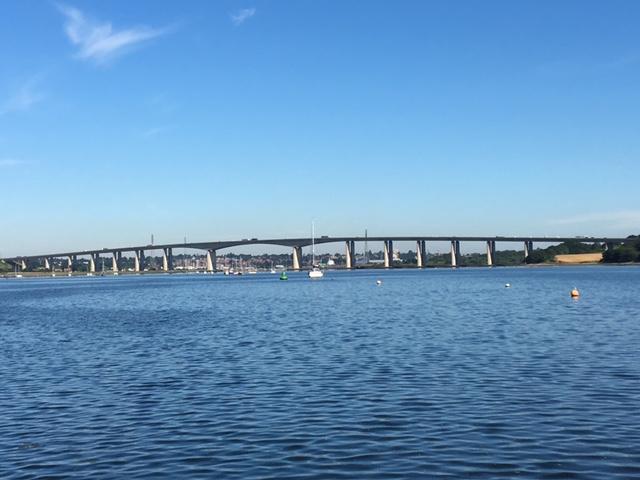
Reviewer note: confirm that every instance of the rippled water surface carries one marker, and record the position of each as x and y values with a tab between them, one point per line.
432	374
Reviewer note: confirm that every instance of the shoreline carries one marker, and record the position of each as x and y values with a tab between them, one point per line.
13	275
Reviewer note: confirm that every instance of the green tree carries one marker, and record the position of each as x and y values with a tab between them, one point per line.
621	254
537	256
629	251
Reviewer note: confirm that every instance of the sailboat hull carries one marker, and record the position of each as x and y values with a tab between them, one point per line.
315	273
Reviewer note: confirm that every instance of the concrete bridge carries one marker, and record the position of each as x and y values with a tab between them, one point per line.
297	244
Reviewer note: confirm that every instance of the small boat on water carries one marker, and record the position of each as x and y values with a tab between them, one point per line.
315	272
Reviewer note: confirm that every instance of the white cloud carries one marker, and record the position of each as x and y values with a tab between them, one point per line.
9	162
152	132
22	99
98	41
242	15
163	103
621	221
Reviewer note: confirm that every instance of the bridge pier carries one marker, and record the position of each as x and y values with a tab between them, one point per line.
138	260
297	257
491	252
350	247
421	256
388	254
116	260
167	259
70	260
528	248
19	265
92	262
211	261
455	253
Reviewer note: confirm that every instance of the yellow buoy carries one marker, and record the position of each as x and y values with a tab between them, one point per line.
575	293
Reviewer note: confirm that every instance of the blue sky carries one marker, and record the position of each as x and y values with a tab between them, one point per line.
231	119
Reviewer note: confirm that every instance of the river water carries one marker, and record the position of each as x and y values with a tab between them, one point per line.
431	374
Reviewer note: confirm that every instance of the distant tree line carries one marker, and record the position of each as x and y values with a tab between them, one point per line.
570	247
627	252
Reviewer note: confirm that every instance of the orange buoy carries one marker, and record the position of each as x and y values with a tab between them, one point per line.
575	293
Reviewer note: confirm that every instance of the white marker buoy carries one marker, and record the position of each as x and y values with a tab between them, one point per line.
506	285
379	282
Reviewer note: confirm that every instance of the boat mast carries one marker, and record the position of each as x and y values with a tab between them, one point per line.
313	244
366	248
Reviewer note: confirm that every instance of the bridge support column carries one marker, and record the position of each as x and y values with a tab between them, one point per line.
528	248
455	253
23	265
70	261
167	259
48	262
117	259
92	262
421	256
211	261
388	254
491	252
297	256
350	246
139	259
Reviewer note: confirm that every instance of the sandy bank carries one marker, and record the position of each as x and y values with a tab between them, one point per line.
579	258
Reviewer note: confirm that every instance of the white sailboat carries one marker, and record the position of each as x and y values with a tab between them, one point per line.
315	271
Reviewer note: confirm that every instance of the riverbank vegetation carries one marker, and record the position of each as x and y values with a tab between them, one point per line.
571	247
627	252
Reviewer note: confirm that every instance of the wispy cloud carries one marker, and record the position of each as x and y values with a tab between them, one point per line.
163	103
23	98
9	162
242	15
623	61
155	131
623	220
579	66
99	42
